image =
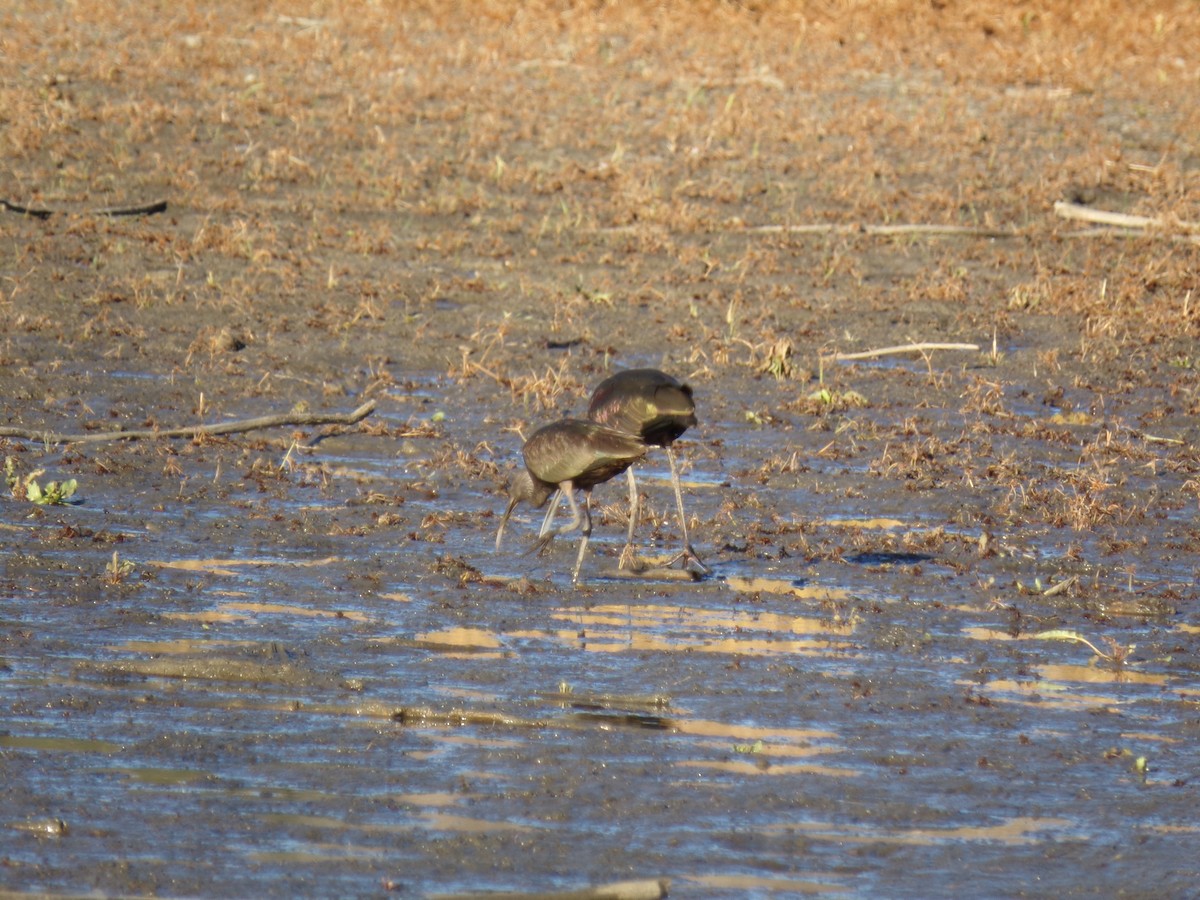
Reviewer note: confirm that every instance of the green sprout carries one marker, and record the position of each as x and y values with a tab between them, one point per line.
117	570
55	493
1117	654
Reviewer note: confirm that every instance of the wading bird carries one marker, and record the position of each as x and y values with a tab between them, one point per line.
658	409
570	455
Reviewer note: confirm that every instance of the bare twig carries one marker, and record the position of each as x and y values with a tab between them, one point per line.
235	427
26	211
643	889
902	348
1080	213
918	228
147	209
1109	224
886	230
1060	587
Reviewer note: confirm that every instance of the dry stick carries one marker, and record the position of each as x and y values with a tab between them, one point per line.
919	228
643	889
856	228
235	427
1118	225
1060	587
903	348
148	209
1080	213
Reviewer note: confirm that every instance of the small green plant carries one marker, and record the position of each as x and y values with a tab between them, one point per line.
1117	654
1139	765
756	747
55	493
117	569
779	360
604	298
10	475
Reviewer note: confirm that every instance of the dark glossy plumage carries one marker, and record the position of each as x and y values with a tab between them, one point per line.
658	409
570	455
645	402
584	453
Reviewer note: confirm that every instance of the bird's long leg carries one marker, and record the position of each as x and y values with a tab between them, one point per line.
553	508
626	560
587	533
689	553
567	488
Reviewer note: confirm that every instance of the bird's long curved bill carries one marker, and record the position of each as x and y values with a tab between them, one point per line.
504	521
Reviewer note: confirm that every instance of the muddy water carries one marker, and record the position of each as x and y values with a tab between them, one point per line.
319	678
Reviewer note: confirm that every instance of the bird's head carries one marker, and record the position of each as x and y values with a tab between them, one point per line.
524	488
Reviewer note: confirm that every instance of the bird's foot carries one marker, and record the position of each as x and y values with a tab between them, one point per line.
631	562
539	546
688	558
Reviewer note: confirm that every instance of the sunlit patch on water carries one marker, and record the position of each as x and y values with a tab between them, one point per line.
1146	736
300	820
777	737
877	523
161	777
314	853
185	646
319	850
755	884
432	799
473	642
440	821
756	585
238	612
616	628
230	566
209	617
742	749
469	694
765	767
1044	694
1017	831
57	744
1097	674
1053	676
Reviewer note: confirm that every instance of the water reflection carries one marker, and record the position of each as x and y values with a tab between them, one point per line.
760	585
230	566
616	628
235	612
57	745
1045	694
1017	831
758	884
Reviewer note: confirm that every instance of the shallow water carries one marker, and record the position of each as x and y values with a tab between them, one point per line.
289	693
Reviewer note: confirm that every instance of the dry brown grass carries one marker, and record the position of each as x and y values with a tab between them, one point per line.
471	190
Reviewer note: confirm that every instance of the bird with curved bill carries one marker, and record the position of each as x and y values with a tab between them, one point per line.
657	408
568	456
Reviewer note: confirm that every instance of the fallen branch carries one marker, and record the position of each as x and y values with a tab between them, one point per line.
217	428
855	228
902	348
886	230
1114	225
644	889
148	209
1079	213
1060	587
